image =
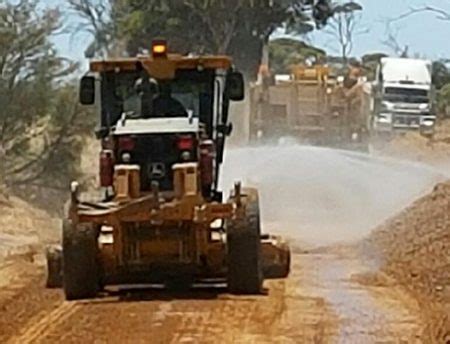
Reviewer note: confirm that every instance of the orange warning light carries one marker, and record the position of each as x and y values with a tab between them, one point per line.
159	48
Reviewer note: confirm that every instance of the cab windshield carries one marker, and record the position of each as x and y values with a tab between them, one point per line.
136	94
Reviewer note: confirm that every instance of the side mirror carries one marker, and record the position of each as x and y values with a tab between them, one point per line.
235	87
87	90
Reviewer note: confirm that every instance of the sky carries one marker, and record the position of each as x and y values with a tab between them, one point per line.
423	32
425	35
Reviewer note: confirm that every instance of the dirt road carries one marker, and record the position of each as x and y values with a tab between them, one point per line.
320	303
285	315
332	295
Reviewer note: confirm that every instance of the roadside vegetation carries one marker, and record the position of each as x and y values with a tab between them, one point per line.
41	124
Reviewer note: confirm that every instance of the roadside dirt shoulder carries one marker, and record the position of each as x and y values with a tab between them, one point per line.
412	146
24	233
414	249
24	228
22	295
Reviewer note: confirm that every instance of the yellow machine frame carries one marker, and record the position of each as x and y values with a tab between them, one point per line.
156	236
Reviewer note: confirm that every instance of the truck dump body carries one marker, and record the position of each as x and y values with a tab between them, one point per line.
311	107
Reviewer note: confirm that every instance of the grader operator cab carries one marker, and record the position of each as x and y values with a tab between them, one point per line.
162	220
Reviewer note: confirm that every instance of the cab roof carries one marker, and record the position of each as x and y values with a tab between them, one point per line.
161	67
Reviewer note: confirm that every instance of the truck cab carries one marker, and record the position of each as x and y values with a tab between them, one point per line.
403	98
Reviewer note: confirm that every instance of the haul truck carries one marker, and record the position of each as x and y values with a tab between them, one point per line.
403	97
164	121
311	106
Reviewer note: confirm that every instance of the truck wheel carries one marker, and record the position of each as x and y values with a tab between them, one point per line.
54	268
287	268
80	264
245	275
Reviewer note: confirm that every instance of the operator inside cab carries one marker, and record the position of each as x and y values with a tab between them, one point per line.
150	99
164	105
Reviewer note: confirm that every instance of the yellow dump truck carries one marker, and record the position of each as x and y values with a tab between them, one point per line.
311	106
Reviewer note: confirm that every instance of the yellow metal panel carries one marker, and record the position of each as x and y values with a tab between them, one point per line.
186	179
216	255
161	68
157	250
127	181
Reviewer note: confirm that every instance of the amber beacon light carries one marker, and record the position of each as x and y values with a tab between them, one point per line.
159	48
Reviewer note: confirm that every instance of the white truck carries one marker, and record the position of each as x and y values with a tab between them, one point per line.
403	97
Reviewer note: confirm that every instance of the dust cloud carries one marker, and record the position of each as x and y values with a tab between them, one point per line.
323	196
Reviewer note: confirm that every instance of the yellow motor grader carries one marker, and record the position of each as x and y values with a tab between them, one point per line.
161	218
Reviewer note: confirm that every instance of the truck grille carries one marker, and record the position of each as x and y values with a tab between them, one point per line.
406	121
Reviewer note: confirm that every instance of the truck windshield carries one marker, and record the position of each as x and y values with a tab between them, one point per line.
407	95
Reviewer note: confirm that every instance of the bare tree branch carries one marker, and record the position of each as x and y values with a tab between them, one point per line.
46	153
343	28
440	13
96	20
392	42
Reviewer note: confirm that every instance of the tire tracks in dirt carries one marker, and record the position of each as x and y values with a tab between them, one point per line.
24	297
45	322
370	309
284	315
323	301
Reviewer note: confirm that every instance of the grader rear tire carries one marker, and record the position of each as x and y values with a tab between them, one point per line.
80	264
245	275
54	268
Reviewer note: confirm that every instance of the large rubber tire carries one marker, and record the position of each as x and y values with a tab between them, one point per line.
81	277
54	268
244	259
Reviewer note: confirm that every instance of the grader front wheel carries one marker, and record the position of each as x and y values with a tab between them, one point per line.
245	275
54	268
81	278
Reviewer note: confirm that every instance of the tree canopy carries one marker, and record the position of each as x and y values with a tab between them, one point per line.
39	118
236	27
286	52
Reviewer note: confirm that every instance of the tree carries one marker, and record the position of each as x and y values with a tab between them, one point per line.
441	74
443	100
441	80
286	52
370	63
392	42
220	19
236	27
39	119
95	19
441	13
344	26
